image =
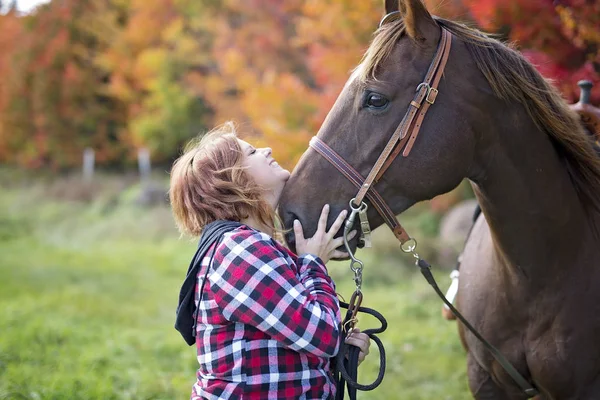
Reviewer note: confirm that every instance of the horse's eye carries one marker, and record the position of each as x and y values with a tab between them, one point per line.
375	100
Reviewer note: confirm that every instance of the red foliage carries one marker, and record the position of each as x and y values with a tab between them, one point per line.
561	37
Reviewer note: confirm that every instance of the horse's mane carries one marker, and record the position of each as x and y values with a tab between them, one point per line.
512	77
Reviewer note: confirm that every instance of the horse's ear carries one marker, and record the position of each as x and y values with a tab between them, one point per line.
391	6
418	22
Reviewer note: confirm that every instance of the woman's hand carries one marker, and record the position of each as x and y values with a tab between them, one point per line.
322	244
360	340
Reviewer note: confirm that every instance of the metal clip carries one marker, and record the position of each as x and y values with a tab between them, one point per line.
357	272
353	306
355	265
365	227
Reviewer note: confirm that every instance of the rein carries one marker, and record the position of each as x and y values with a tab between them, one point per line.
346	365
402	140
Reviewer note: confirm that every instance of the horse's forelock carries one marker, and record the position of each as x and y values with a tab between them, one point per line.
381	47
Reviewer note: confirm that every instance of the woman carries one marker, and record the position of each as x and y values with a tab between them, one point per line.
265	320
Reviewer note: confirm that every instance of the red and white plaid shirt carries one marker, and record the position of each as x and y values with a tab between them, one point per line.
267	322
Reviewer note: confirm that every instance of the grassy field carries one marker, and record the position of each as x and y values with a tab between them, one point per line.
88	290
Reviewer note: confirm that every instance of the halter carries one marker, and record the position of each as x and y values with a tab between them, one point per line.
403	140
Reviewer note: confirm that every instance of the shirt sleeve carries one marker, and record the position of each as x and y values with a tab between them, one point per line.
254	284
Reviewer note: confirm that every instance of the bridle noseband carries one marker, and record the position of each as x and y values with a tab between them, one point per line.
402	140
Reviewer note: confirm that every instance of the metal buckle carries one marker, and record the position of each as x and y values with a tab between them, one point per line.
365	227
429	91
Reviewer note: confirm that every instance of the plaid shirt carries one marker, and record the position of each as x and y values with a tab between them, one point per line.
267	322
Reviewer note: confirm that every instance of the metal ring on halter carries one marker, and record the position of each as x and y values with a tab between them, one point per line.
389	17
361	208
409	246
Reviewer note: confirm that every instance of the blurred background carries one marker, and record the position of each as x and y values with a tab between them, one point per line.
97	98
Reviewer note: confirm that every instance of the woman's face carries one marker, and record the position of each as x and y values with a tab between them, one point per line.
265	171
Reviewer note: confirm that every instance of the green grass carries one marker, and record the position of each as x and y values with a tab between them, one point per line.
88	292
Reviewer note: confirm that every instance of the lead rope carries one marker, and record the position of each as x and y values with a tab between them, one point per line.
425	268
346	373
347	360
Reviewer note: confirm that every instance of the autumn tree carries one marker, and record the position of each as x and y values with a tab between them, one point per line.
12	30
560	37
280	65
117	75
52	104
151	62
106	74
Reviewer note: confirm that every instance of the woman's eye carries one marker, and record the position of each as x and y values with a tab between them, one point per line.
375	100
252	151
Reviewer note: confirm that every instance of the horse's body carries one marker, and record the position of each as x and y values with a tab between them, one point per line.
530	274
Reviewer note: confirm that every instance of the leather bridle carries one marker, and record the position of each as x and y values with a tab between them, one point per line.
403	140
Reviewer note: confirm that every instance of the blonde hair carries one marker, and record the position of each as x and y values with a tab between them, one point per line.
209	183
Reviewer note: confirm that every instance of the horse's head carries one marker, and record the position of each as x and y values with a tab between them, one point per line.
371	106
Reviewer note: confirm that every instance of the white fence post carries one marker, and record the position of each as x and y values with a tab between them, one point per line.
88	164
144	164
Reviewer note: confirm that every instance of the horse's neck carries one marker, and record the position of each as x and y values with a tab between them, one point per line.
536	218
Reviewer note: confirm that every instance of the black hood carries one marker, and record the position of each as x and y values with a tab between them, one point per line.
185	321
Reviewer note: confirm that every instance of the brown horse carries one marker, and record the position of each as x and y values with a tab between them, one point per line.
530	276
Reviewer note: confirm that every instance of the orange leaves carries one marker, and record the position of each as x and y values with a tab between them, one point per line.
119	74
147	66
285	63
561	37
273	66
54	101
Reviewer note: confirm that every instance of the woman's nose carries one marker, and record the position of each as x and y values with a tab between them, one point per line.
267	151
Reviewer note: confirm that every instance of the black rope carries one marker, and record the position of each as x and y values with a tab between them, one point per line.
346	362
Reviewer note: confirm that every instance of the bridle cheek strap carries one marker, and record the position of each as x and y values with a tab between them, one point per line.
409	140
406	134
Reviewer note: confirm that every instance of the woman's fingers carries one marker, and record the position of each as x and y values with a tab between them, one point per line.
337	242
360	340
361	357
337	224
298	232
322	226
339	254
